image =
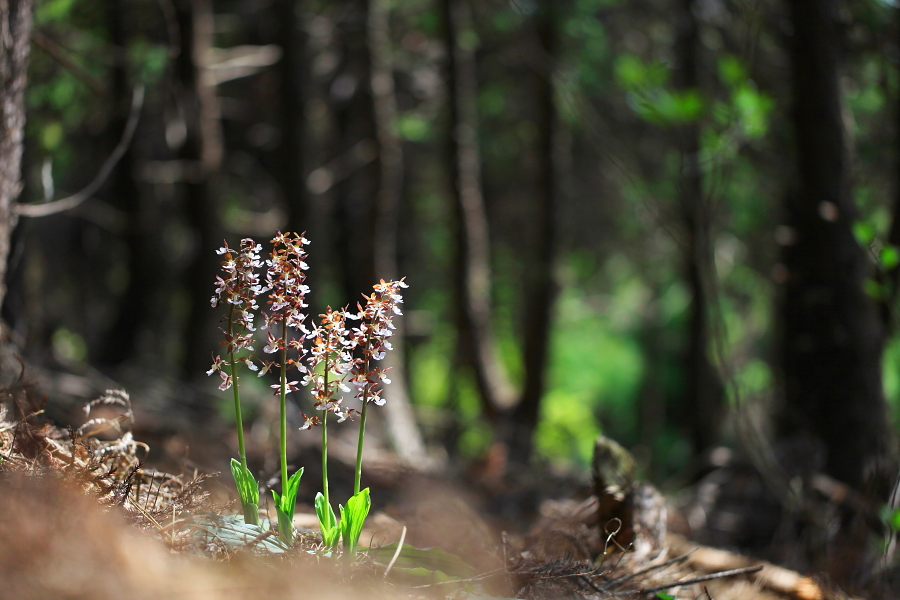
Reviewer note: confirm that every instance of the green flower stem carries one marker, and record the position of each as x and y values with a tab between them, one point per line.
362	434
359	448
244	479
283	442
325	439
237	395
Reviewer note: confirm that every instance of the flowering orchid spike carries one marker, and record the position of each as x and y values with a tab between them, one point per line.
237	288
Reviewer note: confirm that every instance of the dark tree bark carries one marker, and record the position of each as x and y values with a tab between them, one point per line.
15	35
350	93
891	276
702	408
476	346
134	306
540	287
294	72
293	163
202	151
832	336
405	435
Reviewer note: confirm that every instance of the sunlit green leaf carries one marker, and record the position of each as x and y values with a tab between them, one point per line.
731	70
864	233
888	257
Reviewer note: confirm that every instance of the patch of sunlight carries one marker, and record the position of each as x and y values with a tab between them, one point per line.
595	367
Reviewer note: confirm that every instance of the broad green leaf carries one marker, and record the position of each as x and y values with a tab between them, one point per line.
229	531
353	517
248	490
327	521
430	559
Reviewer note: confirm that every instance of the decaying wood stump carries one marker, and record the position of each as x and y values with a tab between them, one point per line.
633	512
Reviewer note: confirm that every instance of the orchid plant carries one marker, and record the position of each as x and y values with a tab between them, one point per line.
335	354
329	362
371	337
285	282
238	289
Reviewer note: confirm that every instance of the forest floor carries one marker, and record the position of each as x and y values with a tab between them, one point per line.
82	516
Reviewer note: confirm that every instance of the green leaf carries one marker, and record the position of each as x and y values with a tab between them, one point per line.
864	233
229	531
433	560
664	596
248	491
874	289
53	10
327	521
731	70
352	519
888	257
284	507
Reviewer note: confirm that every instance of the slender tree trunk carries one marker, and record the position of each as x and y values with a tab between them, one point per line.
15	36
350	94
294	83
477	346
134	305
405	434
540	286
203	150
891	277
703	392
832	336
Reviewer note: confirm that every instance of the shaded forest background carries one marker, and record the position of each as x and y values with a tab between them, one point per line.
673	221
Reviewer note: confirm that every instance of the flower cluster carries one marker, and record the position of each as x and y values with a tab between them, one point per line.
240	286
329	361
376	326
285	279
238	289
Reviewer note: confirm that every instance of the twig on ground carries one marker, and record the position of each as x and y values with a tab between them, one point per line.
624	578
396	552
710	577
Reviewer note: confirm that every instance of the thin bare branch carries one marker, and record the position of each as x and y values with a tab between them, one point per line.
64	204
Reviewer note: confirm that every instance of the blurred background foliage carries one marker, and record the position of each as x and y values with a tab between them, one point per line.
294	144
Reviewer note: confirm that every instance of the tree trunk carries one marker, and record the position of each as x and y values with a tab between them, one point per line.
832	336
15	40
294	74
202	150
540	286
476	343
703	392
134	306
350	94
405	434
891	276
